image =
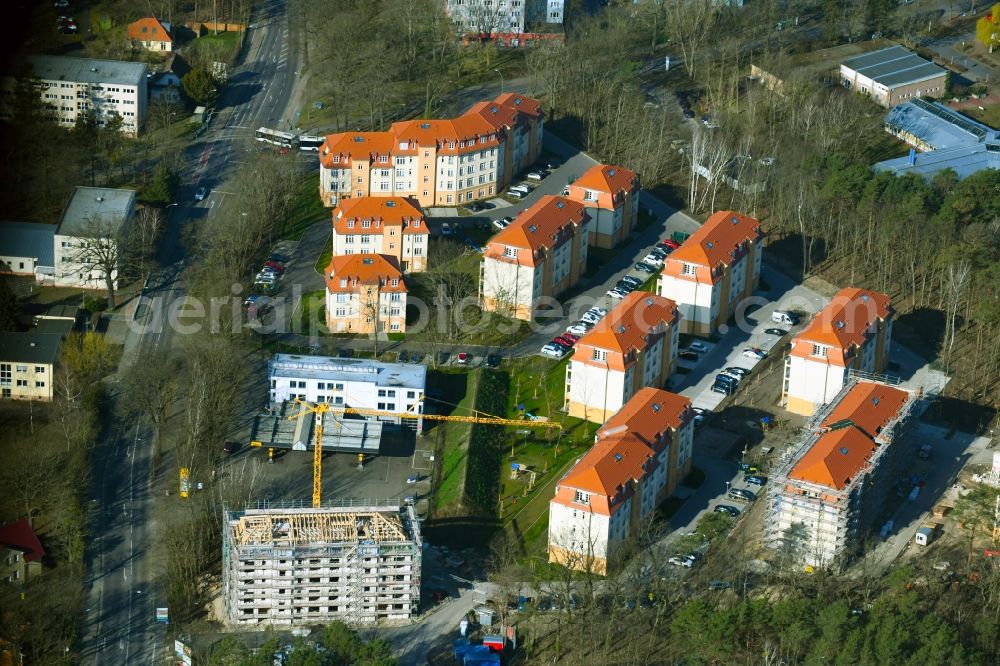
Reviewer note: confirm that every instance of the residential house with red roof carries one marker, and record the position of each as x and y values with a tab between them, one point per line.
436	162
21	552
392	226
832	492
365	293
539	255
634	346
151	34
853	333
713	270
635	463
611	195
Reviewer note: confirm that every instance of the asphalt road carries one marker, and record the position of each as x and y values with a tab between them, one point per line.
123	560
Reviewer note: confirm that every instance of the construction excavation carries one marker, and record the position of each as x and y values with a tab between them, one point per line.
286	566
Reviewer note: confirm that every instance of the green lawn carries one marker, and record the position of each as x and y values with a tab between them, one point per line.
448	493
307	210
324	256
312	312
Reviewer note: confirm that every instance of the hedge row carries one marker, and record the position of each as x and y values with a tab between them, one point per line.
482	472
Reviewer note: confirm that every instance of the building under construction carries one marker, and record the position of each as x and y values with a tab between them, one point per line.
358	562
831	489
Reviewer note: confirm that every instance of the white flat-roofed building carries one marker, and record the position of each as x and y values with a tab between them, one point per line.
94	219
350	382
26	249
893	75
71	87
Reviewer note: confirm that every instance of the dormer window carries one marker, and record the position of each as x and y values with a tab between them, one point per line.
350	224
366	224
336	159
819	350
581	497
395	282
383	159
343	283
689	269
510	252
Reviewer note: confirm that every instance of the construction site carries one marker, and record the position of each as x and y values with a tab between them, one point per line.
290	565
832	488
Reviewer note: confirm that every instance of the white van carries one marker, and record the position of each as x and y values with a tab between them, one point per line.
782	317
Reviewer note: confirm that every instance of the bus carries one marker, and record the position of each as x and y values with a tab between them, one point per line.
312	143
283	139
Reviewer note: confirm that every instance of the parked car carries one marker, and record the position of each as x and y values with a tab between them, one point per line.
699	347
643	267
579	328
416	357
654	259
754	352
688	356
664	247
725	389
742	494
475	206
729	509
522	187
632	280
443	357
566	342
463	358
553	350
569	336
776	331
445	229
784	317
501	224
670	242
719	585
403	356
755	479
561	345
517	194
200	193
230	448
275	265
726	373
699	415
616	293
723	378
492	361
599	311
265	278
738	372
537	175
625	286
590	318
680	561
279	258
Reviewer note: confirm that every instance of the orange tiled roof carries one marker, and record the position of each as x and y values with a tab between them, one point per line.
506	110
649	413
607	178
355	146
381	212
853	427
441	133
843	323
869	406
607	469
366	269
625	328
546	224
715	241
155	31
835	458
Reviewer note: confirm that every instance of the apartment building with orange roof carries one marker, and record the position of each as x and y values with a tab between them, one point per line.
635	463
539	255
634	346
827	497
437	162
152	34
713	270
365	293
611	195
392	226
852	334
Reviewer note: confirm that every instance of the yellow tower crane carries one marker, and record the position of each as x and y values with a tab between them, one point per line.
319	409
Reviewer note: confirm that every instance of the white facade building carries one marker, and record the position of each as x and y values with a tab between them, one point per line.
94	218
487	16
69	88
349	382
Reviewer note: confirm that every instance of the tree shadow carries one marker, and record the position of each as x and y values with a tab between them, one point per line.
923	328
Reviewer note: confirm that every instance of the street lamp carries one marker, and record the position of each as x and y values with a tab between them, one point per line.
497	70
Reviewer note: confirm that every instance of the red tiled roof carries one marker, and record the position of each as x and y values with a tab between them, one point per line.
715	242
607	178
649	413
607	469
355	146
545	224
505	111
842	323
19	536
381	212
155	31
853	426
625	328
367	269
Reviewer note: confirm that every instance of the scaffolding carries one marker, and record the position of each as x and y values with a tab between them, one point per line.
288	566
834	519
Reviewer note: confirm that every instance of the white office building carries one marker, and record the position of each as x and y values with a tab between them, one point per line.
95	220
71	87
351	383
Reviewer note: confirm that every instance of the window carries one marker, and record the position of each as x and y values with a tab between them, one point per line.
581	497
510	252
40	384
689	269
600	355
819	350
23	383
22	368
39	369
411	394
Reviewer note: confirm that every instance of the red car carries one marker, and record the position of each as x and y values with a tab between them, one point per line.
671	244
570	337
564	341
462	358
276	266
